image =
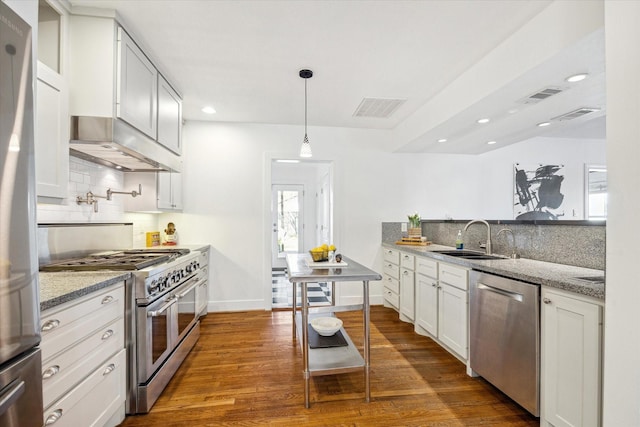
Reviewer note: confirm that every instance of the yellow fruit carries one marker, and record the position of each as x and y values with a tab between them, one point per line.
332	248
325	246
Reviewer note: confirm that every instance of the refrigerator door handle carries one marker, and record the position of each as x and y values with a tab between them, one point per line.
15	389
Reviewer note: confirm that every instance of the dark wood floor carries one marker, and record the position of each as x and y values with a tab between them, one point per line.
245	370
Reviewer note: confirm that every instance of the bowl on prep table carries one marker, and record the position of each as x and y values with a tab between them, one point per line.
326	326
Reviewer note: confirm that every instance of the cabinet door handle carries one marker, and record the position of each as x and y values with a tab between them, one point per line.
109	369
108	334
405	272
107	299
55	416
546	300
434	284
50	324
50	371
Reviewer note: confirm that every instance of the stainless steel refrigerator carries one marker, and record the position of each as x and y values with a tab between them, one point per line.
20	360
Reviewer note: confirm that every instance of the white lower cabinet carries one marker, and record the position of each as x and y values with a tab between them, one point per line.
571	360
442	304
427	304
391	279
84	360
452	318
407	287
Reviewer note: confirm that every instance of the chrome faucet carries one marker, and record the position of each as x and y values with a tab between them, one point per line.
488	246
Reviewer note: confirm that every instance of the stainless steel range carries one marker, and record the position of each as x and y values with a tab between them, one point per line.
163	310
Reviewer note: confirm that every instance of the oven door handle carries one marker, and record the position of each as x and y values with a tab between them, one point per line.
163	308
192	287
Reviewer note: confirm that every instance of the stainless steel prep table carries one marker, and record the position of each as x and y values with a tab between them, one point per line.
335	360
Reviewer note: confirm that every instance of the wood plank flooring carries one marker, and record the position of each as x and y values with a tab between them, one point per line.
246	371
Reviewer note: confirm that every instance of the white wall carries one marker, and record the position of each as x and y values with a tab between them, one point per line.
227	194
622	317
497	173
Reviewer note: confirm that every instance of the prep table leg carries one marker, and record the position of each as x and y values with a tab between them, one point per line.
293	309
305	342
365	309
333	293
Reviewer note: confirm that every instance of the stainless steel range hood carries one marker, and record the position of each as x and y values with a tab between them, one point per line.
114	143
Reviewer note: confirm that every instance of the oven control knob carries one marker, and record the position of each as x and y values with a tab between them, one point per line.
153	286
189	268
165	283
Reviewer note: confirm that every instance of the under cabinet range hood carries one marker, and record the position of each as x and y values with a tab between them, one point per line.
114	143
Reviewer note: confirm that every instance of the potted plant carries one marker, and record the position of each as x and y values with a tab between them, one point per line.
415	230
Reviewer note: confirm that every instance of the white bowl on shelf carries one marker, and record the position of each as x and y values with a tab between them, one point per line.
326	326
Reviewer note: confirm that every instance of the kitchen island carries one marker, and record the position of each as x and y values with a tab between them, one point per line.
328	361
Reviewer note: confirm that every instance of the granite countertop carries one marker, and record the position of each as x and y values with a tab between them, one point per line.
64	286
537	272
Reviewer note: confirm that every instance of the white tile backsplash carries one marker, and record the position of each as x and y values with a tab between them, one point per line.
86	176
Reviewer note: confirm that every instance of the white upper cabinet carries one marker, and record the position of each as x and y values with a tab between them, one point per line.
161	191
169	191
137	87
52	103
169	116
111	76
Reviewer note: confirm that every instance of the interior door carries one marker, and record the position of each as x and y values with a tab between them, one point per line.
287	203
324	211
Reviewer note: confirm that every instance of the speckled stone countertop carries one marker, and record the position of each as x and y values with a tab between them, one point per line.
538	272
60	287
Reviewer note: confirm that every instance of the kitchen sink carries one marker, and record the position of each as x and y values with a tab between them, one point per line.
468	254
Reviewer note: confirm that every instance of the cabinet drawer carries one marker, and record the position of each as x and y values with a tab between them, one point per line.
68	324
453	275
94	400
407	261
68	368
391	283
391	297
427	267
391	270
391	255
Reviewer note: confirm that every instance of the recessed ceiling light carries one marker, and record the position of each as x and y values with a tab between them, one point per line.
287	161
118	167
576	77
208	110
482	121
491	142
543	124
442	140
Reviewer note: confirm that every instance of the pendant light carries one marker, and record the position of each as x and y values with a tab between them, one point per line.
305	149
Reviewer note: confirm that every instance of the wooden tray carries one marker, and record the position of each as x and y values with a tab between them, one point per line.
413	242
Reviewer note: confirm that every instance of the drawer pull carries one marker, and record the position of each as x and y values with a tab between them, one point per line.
50	371
109	369
546	300
107	299
55	416
50	324
434	284
108	334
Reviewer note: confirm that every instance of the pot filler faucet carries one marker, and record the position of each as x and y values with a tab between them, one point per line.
488	246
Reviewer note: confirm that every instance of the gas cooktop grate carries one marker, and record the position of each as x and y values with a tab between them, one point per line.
110	262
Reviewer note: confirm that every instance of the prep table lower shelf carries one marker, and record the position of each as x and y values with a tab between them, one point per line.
332	360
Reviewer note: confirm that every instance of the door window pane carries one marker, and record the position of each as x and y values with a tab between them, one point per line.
288	220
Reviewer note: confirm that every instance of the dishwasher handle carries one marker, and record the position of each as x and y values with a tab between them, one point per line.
513	295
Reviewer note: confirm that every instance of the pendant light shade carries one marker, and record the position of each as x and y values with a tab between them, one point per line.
305	149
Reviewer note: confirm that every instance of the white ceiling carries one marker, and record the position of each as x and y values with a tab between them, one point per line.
243	57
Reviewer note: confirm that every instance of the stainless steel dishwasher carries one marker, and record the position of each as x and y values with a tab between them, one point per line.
504	318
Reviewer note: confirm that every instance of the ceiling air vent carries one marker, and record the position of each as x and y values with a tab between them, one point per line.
378	107
575	113
541	95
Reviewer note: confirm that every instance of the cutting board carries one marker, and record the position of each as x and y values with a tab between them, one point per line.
325	264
